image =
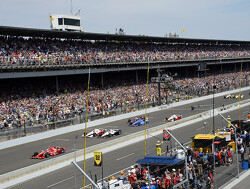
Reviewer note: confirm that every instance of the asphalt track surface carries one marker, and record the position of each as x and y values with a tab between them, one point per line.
19	156
123	158
244	184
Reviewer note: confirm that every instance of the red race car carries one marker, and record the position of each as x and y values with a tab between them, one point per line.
51	151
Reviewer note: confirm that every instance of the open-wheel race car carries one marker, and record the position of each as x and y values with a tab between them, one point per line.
229	96
138	121
51	151
111	132
173	117
239	96
94	133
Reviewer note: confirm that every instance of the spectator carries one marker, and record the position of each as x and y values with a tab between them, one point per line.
242	152
122	177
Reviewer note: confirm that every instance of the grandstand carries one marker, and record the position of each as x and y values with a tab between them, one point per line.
38	67
44	76
64	51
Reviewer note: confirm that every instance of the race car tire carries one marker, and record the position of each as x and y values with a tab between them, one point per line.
174	119
94	134
129	121
119	132
35	154
139	123
46	155
62	150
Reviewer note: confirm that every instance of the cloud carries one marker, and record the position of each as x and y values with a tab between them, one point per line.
199	18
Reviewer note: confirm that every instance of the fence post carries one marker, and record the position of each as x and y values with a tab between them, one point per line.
24	125
80	117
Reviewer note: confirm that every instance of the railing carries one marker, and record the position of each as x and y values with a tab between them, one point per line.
28	64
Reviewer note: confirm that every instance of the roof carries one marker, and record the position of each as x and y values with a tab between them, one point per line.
208	136
46	33
160	160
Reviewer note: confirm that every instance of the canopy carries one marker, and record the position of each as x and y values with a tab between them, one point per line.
160	160
208	137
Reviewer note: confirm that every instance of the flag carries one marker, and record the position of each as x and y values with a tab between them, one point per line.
50	17
182	30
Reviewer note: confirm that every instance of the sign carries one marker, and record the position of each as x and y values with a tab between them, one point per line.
97	158
158	151
166	136
227	135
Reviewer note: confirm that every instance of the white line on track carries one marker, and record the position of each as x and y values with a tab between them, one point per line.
200	128
112	126
60	182
64	139
74	149
125	156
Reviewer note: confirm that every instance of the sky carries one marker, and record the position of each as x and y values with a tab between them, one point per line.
202	19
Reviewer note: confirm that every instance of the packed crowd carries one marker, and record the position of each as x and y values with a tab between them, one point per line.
204	85
200	168
41	105
43	52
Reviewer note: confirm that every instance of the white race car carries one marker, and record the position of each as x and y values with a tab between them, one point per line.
95	133
173	117
229	96
111	132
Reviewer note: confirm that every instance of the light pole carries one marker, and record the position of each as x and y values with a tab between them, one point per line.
213	103
75	157
214	164
159	86
160	80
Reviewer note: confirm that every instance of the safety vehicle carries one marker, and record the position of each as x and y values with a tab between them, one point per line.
239	96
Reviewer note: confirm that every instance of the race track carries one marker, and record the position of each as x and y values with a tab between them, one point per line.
19	156
123	158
